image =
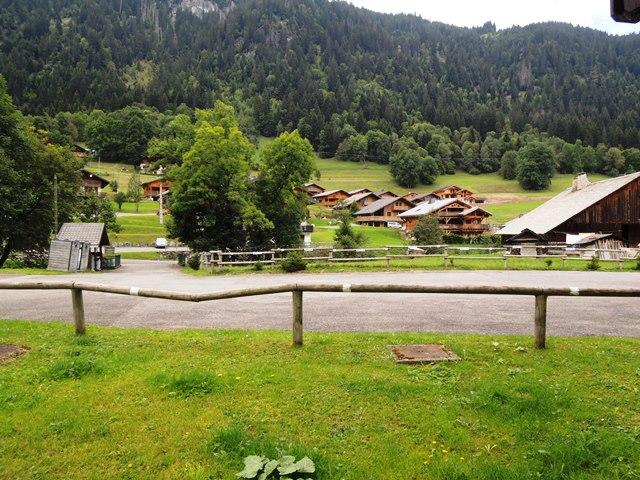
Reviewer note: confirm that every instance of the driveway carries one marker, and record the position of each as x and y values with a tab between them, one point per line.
340	311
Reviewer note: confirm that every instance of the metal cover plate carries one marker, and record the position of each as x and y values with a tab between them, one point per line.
427	353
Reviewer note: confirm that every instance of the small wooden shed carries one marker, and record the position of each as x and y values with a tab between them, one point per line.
78	246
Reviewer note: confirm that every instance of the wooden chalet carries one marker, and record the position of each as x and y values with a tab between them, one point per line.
92	183
359	191
380	212
420	197
312	189
361	200
152	188
386	194
331	198
610	206
453	191
454	216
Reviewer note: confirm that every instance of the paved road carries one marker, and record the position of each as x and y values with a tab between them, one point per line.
151	249
341	312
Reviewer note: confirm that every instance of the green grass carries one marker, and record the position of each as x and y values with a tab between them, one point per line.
142	404
139	229
324	233
347	175
29	271
431	263
503	212
146	207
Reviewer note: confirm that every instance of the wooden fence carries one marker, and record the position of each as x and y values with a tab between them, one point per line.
448	254
540	294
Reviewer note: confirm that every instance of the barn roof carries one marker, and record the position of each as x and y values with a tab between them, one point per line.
431	207
566	205
93	233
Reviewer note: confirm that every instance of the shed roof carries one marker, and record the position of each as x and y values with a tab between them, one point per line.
565	205
93	233
428	208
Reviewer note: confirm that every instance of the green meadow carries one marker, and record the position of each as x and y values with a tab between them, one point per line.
141	404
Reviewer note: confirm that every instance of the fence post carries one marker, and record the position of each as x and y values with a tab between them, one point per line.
297	318
541	321
78	310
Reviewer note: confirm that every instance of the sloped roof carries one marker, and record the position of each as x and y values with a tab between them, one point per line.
565	205
431	207
382	192
93	233
378	204
330	192
356	197
474	209
89	174
360	190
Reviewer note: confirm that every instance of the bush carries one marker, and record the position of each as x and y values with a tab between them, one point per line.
193	261
28	259
258	266
427	231
638	264
594	264
294	262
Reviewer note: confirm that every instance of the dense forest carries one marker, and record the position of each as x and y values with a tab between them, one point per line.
320	67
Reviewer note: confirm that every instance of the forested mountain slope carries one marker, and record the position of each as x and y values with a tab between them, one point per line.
320	65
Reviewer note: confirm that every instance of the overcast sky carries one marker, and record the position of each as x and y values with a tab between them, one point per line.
505	13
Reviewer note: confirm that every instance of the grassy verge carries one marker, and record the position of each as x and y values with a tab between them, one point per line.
29	271
139	229
142	256
429	263
190	404
146	207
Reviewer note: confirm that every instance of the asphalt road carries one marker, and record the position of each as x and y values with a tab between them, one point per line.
340	311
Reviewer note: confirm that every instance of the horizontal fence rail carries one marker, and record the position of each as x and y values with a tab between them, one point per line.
540	294
448	254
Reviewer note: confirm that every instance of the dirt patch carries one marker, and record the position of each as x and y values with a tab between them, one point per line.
429	353
9	352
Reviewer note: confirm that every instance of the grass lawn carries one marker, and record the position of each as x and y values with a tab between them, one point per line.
503	212
142	404
29	271
324	232
139	229
146	206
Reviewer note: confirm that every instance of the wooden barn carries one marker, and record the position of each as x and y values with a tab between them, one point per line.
92	183
386	194
359	191
152	188
610	206
81	151
380	212
331	198
454	216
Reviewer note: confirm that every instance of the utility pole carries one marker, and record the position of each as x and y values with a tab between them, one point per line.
55	202
161	205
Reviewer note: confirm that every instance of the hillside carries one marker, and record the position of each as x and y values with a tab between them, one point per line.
320	65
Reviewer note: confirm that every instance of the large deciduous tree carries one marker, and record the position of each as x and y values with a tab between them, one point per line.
286	164
28	165
212	205
535	166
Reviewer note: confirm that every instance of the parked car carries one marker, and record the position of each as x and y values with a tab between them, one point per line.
394	225
161	242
